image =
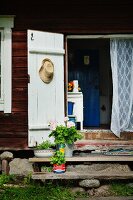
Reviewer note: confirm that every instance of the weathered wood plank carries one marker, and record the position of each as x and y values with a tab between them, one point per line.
20	82
19	61
106	135
18	143
80	175
19	72
19	36
13	128
13	134
96	158
19	49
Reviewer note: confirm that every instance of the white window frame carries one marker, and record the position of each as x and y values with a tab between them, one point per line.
6	24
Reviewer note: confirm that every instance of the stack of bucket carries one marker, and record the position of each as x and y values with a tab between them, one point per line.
70	112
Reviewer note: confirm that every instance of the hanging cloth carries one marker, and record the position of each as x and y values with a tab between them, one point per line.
121	52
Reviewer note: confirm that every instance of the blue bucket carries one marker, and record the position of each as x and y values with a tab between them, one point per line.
70	107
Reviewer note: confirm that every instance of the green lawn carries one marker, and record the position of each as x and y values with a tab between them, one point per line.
26	189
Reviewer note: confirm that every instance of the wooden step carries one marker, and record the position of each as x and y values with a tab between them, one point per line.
92	157
102	144
105	134
82	175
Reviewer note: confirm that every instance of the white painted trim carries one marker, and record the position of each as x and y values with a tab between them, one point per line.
99	36
7	71
6	23
48	51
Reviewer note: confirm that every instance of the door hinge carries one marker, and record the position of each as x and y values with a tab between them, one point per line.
28	78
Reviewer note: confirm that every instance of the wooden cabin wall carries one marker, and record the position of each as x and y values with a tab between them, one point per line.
14	126
71	16
68	17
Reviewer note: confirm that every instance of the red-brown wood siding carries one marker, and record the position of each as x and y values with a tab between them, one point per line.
68	17
14	126
80	17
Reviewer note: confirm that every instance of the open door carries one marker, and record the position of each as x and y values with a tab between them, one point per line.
45	100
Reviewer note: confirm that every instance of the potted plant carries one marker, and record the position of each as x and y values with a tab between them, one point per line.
65	135
44	149
58	161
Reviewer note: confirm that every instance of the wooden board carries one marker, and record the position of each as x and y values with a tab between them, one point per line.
80	175
88	158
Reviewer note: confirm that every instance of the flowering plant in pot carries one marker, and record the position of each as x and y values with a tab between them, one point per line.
65	134
44	149
58	161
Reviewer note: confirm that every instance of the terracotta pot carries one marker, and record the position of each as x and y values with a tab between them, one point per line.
59	168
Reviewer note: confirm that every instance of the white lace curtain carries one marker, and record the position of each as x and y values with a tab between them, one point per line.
121	51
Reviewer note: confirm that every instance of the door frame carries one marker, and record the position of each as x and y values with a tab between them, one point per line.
100	36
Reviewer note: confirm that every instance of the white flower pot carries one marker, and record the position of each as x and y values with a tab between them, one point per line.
44	153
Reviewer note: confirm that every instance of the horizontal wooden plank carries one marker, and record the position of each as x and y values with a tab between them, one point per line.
19	61
106	135
10	143
82	175
20	94
13	134
10	118
14	127
19	36
19	49
19	72
20	82
90	158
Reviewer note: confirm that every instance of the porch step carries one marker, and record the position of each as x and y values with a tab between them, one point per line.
82	175
102	145
105	134
91	157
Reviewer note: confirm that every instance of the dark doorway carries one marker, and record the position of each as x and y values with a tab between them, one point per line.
89	63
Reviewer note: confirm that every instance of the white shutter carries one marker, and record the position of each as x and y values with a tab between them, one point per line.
45	101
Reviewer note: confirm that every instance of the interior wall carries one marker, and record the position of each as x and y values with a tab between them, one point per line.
105	87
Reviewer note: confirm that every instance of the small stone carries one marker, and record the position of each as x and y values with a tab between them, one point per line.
91	192
90	183
6	155
103	190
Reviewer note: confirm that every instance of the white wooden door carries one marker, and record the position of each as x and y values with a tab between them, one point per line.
45	101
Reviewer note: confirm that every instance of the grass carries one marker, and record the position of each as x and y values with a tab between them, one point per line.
121	189
26	189
37	193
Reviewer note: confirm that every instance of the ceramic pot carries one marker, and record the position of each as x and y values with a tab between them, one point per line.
44	153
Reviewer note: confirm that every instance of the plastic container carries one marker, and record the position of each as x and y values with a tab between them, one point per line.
73	119
70	107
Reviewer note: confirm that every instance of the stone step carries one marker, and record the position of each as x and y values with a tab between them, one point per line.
107	198
82	175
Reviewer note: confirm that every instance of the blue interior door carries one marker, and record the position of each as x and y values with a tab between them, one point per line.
86	71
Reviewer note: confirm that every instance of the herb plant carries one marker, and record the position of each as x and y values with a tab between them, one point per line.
45	145
58	158
65	134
